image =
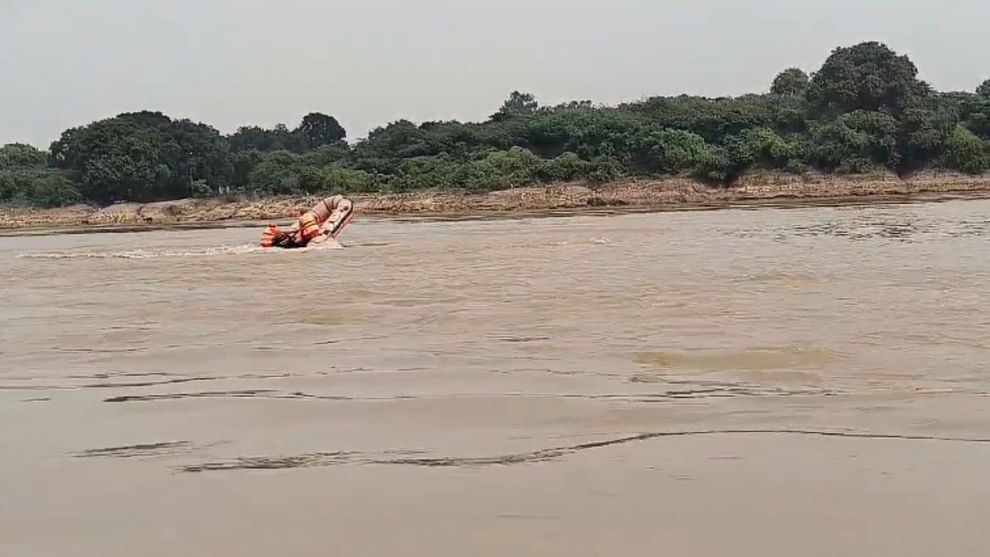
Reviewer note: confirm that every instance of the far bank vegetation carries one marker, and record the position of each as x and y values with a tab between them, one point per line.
862	112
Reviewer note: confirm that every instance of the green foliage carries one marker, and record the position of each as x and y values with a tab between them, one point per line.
715	120
320	129
333	178
37	187
243	164
142	156
976	117
966	152
278	173
668	151
201	189
254	138
717	166
427	173
792	81
835	146
876	137
315	130
604	169
765	148
923	136
863	110
500	170
287	173
517	105
565	167
867	76
19	155
517	166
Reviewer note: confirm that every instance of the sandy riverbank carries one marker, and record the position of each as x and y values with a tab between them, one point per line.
664	193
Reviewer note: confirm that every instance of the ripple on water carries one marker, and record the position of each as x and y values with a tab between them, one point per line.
327	318
772	358
784	278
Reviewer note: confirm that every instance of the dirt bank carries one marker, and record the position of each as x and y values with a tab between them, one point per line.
662	193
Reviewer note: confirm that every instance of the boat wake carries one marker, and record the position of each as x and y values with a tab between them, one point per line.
242	249
145	253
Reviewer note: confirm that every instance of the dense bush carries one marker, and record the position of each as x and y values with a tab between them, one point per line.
37	187
863	110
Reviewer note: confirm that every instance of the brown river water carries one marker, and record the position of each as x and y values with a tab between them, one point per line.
772	382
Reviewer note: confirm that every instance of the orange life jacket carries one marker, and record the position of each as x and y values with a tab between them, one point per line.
269	235
309	226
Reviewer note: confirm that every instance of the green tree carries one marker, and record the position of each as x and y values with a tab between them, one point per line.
515	167
667	151
792	81
243	164
713	119
765	148
401	139
421	173
255	138
604	169
565	167
198	153
984	90
20	155
518	104
876	136
332	178
978	120
924	136
320	129
835	146
37	187
867	76
279	138
142	156
278	173
966	152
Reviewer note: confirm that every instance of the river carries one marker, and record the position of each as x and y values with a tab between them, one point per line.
749	382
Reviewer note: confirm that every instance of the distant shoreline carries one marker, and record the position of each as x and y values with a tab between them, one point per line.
643	194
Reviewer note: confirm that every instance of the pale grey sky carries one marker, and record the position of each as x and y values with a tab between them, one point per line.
228	62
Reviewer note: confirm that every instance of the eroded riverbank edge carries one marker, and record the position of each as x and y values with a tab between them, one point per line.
671	194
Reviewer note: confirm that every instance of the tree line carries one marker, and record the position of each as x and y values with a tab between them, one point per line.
864	110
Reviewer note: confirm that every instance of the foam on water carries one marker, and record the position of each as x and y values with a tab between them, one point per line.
161	253
144	253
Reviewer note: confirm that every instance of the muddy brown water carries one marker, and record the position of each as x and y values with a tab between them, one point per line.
772	382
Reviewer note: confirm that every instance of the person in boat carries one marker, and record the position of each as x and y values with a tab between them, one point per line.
325	221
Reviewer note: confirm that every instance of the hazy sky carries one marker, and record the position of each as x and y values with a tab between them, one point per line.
226	62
